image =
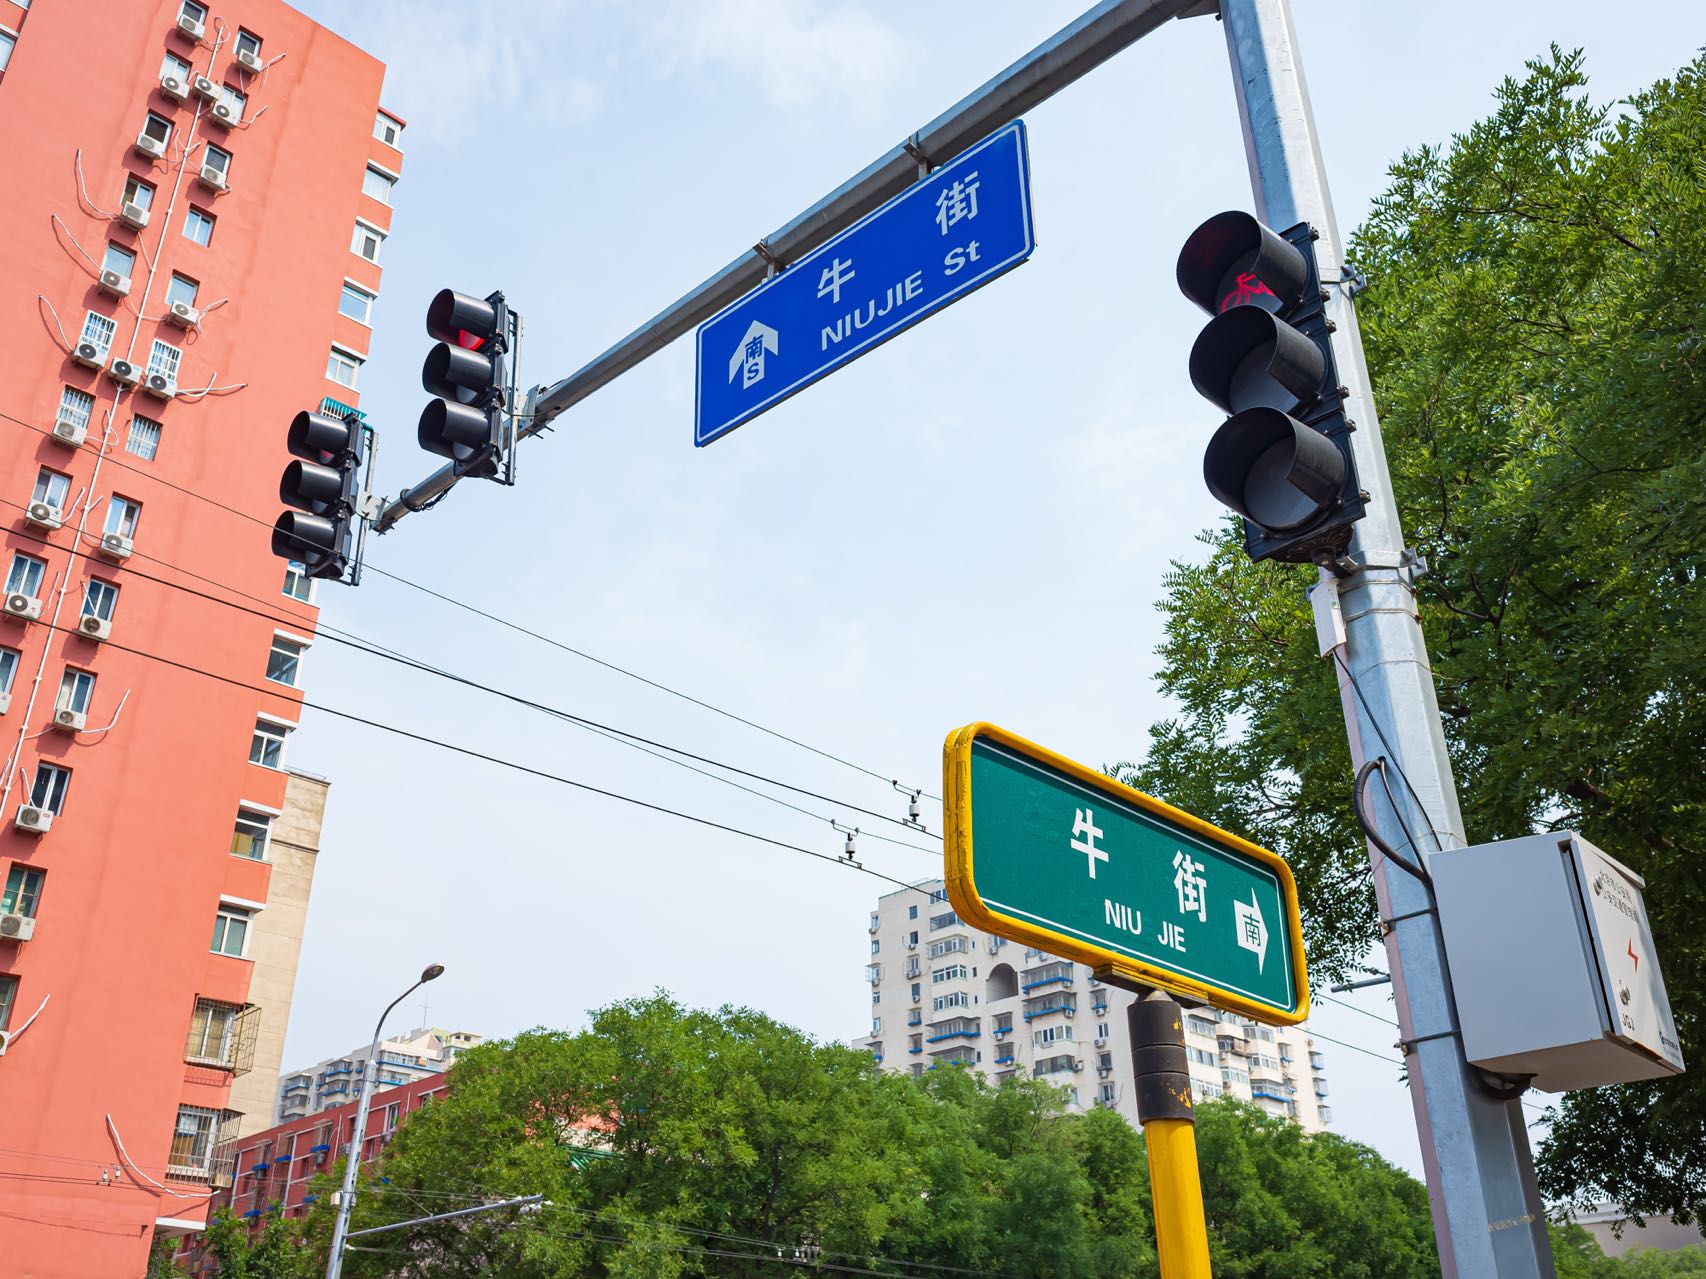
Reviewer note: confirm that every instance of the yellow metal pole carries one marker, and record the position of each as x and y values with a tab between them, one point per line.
1169	1136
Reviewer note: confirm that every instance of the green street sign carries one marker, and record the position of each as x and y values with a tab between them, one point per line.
1044	851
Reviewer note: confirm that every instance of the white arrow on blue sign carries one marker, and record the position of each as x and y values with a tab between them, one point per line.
935	242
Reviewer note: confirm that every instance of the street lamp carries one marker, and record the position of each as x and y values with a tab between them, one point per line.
369	1071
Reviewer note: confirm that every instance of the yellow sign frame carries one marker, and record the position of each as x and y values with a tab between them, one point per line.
962	886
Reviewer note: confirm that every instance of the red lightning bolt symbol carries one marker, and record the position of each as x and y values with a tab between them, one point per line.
1633	955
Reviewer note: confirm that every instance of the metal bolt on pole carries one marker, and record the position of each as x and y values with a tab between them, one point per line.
1488	1218
1165	1110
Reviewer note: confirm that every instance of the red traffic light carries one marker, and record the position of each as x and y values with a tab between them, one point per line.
1233	260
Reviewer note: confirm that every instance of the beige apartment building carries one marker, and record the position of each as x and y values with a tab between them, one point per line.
942	992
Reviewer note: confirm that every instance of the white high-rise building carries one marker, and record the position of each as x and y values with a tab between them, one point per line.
944	992
429	1050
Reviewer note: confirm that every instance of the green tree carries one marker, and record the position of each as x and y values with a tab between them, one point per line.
1536	329
282	1248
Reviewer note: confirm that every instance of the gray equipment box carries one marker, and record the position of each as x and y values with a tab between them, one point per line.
1552	963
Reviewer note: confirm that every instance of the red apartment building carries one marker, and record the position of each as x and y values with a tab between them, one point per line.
196	195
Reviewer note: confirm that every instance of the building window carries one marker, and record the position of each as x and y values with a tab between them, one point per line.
76	407
139	193
297	584
98	329
23	892
52	488
377	184
25	577
176	68
230	931
157	127
8	42
249	836
388	129
284	660
122	515
876	1025
192	1135
181	290
193	10
144	438
211	1032
393	1112
119	259
912	912
366	242
248	42
266	747
357	304
100	598
163	359
235	100
8	997
9	658
218	160
198	226
50	786
76	691
342	367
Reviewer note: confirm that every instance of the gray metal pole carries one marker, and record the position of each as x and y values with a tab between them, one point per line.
1069	54
1488	1218
369	1073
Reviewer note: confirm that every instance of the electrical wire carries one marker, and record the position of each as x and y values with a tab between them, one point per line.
514	765
1374	720
621	736
515	626
1373	832
1343	1004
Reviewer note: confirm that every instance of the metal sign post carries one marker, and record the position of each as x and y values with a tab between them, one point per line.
1047	852
1488	1217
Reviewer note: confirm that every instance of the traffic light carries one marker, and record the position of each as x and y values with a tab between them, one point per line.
465	371
1282	459
324	488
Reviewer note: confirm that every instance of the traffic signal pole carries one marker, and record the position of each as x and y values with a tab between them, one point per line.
1488	1218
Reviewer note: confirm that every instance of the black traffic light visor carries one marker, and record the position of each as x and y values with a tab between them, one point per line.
321	439
311	487
461	320
1247	358
457	373
309	539
1272	469
1233	260
452	430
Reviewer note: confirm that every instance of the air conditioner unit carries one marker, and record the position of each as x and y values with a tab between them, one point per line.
124	372
5	702
184	315
43	515
172	87
1104	1071
1077	1065
69	720
202	87
191	27
161	386
117	545
89	355
212	177
32	820
17	927
222	114
95	628
1068	1012
133	215
250	61
151	147
115	283
17	604
65	431
1101	1043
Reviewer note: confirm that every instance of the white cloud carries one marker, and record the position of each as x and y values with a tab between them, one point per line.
793	50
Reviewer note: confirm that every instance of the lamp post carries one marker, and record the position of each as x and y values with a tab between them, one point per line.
369	1071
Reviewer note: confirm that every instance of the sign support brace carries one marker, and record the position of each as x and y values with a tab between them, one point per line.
1164	1108
1488	1217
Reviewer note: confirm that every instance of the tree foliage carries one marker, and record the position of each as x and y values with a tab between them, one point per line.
1535	328
673	1142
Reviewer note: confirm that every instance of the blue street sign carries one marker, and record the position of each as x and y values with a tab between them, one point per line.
935	242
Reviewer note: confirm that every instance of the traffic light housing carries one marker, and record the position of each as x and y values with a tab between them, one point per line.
324	487
464	371
1282	459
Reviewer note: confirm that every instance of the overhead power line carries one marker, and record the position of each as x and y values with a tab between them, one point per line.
514	765
514	626
620	735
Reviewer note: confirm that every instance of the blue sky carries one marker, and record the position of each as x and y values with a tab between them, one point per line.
973	522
